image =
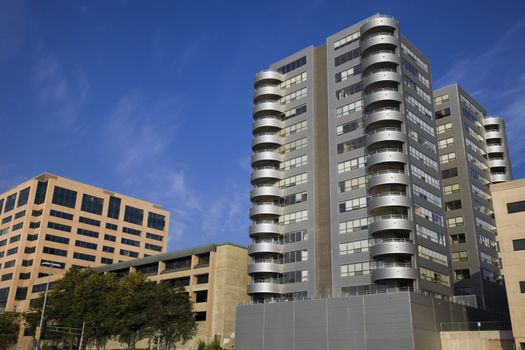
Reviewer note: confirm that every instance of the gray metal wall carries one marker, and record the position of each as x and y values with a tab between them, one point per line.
397	321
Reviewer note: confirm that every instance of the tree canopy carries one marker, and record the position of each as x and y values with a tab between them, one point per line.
126	309
9	328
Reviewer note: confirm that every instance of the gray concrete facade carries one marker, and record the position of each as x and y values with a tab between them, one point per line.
346	186
473	152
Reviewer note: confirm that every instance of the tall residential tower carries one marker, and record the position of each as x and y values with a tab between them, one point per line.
473	154
346	187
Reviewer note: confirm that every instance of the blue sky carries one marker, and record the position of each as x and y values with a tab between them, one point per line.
153	98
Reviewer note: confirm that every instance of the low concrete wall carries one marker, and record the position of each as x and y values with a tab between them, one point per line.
477	340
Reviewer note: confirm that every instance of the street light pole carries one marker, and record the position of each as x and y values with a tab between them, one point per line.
49	264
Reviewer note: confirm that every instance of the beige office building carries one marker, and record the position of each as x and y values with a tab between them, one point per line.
215	277
509	207
54	220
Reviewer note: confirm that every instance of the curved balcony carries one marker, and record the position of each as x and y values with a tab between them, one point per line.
268	92
265	266
388	199
265	228
266	173
269	106
383	56
394	271
378	22
265	247
496	149
500	177
268	76
268	121
385	134
383	115
494	134
387	155
390	222
267	138
381	75
382	95
381	39
388	177
267	155
264	287
393	246
265	192
493	120
265	209
497	163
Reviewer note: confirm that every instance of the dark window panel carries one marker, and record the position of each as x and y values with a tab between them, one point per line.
64	197
92	204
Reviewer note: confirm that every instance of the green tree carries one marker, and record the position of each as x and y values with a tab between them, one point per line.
173	315
132	305
80	296
9	328
215	344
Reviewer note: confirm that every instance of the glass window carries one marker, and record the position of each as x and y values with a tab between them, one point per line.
64	197
133	215
41	189
92	204
10	203
156	221
23	197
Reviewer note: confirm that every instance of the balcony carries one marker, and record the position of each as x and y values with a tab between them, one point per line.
267	138
257	193
379	22
500	177
386	155
493	120
264	287
394	222
381	75
269	107
389	199
383	115
383	56
496	148
494	134
378	39
266	173
382	95
265	209
267	121
265	247
268	76
497	163
384	135
388	177
389	271
266	155
268	92
265	266
393	246
268	227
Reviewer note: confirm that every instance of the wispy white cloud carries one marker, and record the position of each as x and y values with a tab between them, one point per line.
61	91
139	133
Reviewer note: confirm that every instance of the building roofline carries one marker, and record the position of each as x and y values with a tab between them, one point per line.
48	175
507	185
165	256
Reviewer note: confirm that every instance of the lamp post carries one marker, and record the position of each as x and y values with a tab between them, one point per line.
51	265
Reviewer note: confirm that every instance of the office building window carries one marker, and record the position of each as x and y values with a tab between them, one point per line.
85	257
458	238
459	256
106	261
57	239
515	207
87	245
131	231
153	247
518	244
522	289
130	242
10	203
41	189
292	65
64	197
61	214
23	196
21	293
111	226
88	221
87	233
57	226
154	236
92	204
156	221
55	251
133	215
125	252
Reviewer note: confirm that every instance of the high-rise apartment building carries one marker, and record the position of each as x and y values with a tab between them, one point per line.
346	186
473	153
54	220
509	207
